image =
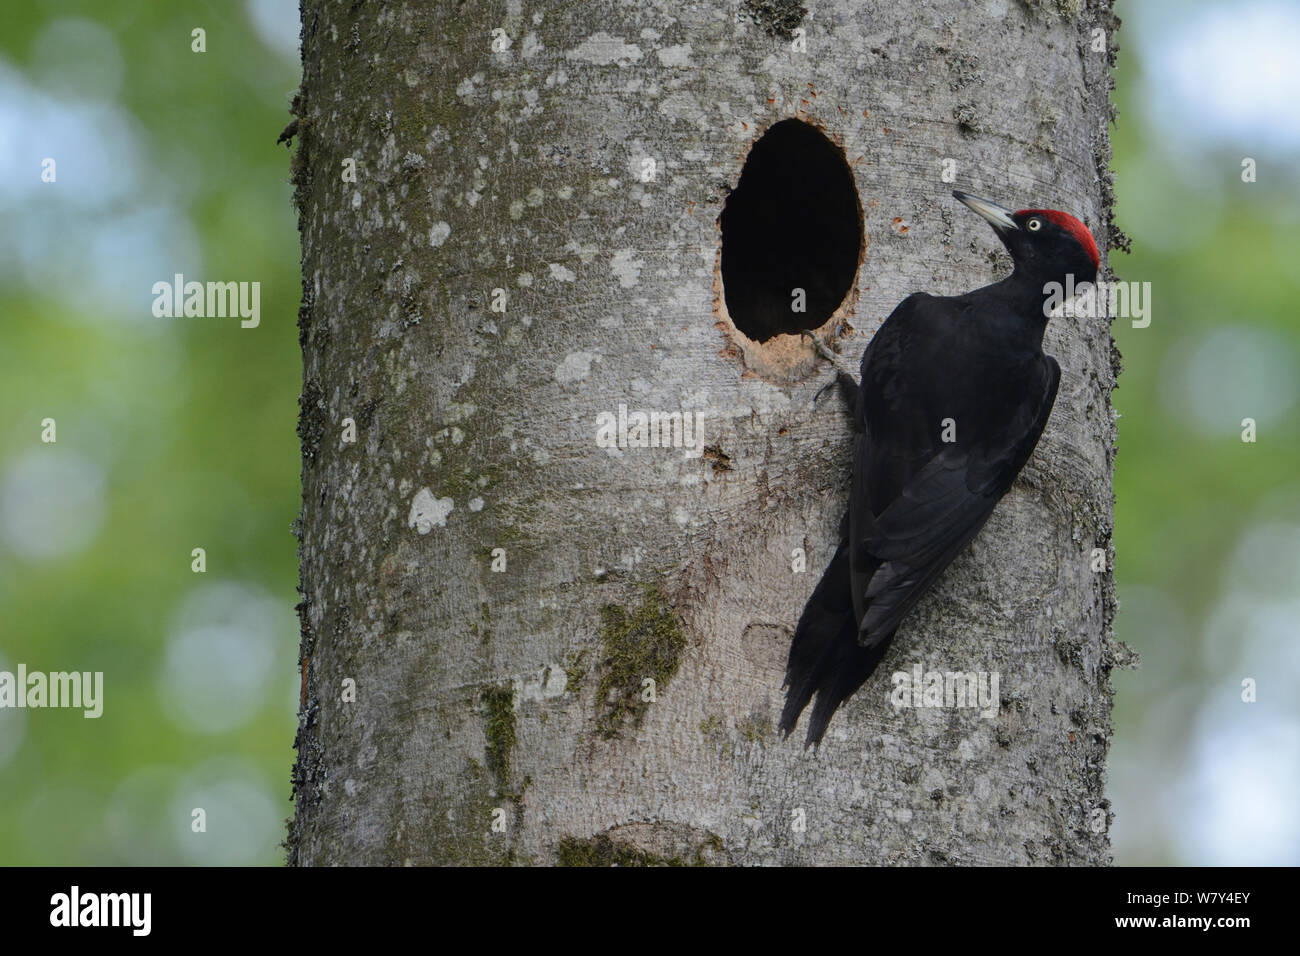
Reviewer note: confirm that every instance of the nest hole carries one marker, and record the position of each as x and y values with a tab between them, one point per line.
791	233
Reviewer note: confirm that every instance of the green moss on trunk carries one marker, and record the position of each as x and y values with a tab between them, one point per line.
499	728
647	643
602	851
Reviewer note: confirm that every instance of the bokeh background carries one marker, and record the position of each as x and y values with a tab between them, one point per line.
174	435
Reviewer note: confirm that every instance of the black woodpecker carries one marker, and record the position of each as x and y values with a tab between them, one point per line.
954	394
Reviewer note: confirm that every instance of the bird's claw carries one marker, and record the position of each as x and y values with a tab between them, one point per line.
820	347
843	372
818	397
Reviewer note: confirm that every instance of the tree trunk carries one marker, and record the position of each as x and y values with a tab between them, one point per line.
522	646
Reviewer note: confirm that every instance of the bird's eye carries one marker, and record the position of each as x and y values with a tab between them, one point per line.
1034	224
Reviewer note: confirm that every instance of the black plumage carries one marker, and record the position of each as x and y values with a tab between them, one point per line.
955	392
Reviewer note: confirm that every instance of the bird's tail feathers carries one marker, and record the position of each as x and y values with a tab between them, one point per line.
825	657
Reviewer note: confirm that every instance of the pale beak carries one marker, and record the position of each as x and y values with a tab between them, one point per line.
998	217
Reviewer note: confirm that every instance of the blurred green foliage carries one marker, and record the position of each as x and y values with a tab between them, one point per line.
192	423
1194	772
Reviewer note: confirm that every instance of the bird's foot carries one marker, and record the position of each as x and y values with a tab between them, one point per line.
820	347
843	371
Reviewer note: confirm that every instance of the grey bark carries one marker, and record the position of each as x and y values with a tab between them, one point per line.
498	715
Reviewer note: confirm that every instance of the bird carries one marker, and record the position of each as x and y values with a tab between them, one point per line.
954	394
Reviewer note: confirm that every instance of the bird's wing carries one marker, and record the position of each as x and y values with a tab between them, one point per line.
900	545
